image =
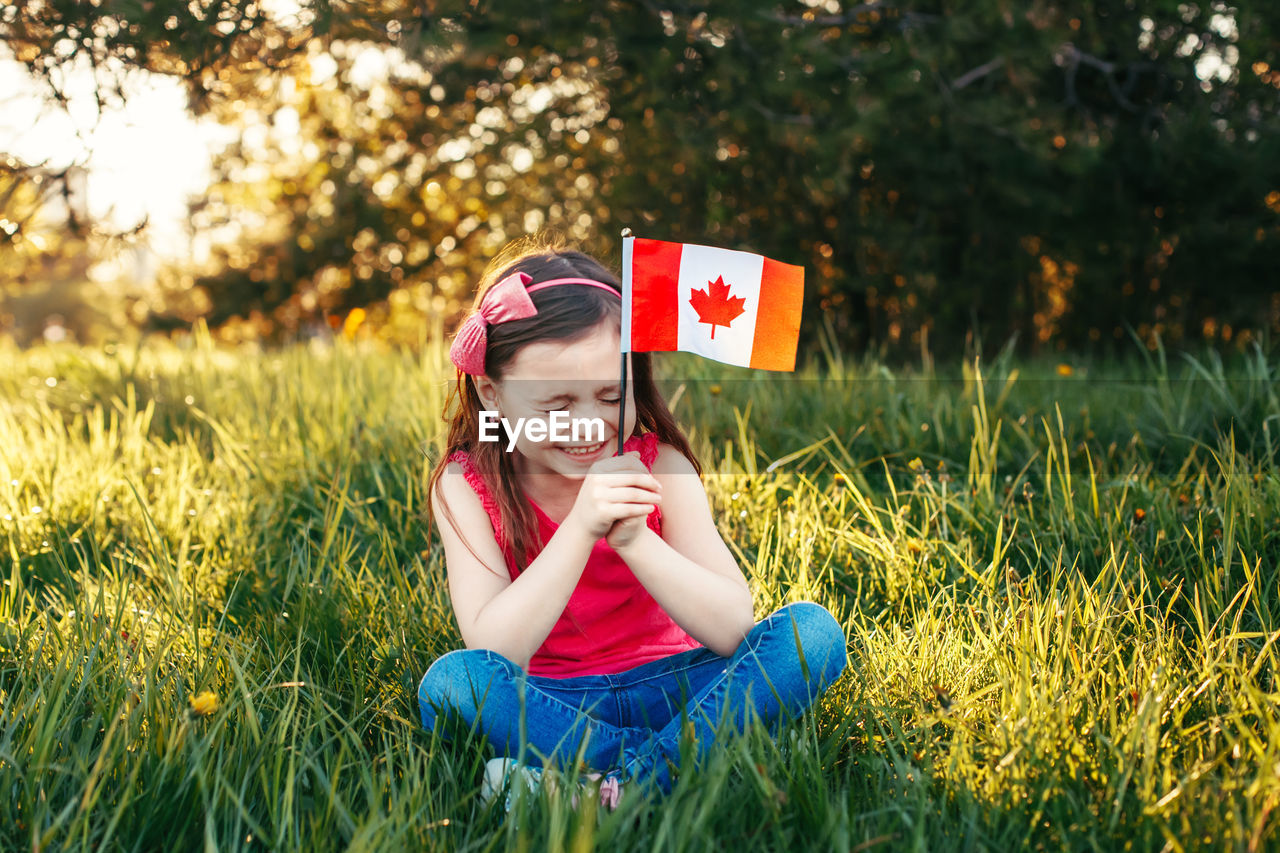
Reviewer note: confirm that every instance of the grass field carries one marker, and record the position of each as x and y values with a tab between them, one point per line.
1060	593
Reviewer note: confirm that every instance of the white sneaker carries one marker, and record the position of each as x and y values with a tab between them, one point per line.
495	776
503	772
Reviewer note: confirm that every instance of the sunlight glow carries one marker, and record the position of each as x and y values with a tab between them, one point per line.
143	158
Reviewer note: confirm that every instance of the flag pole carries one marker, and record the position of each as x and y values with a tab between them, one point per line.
626	333
622	403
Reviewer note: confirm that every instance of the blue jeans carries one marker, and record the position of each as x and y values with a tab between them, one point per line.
632	721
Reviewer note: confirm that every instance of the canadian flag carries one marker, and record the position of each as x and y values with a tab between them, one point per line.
734	307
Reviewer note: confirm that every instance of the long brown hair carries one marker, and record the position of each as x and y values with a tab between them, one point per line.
564	314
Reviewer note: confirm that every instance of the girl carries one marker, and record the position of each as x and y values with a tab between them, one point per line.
600	609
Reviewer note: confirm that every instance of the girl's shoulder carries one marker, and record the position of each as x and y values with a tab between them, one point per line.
459	462
668	460
659	457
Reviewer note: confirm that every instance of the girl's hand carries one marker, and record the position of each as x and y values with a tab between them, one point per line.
626	531
616	496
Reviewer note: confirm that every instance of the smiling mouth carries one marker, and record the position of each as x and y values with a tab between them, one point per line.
584	449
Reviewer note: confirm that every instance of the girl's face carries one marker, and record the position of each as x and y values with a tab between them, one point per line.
579	377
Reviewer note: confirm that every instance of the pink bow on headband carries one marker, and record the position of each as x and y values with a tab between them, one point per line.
505	301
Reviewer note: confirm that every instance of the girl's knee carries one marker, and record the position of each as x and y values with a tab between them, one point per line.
822	640
449	680
444	671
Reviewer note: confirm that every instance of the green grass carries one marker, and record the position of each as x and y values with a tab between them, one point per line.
1062	618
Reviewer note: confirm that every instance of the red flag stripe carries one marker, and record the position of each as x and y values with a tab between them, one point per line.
655	289
778	316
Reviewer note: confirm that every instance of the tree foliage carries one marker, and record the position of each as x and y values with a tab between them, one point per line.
1055	171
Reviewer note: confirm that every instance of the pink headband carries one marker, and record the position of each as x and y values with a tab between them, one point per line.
505	301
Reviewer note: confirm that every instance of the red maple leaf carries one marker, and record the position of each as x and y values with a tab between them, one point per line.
715	306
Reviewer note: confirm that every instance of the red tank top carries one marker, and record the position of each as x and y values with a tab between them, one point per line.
611	622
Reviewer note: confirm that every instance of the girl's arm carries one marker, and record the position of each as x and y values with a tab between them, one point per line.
512	618
688	569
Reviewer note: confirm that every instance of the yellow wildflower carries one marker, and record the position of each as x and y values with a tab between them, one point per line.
205	703
352	323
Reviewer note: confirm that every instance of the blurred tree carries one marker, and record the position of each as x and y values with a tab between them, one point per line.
386	182
46	243
1049	170
1041	169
